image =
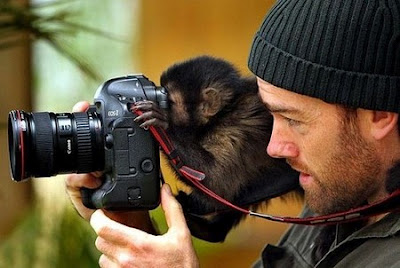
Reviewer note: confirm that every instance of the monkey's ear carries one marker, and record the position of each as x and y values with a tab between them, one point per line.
212	102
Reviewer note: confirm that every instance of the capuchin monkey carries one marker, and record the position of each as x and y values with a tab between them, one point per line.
219	126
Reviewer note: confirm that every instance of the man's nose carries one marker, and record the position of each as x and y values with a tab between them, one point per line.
280	147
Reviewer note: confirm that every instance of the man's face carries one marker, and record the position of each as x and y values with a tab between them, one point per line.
338	166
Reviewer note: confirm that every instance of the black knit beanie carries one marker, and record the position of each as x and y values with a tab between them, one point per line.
340	51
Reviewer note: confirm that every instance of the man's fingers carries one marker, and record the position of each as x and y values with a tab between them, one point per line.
115	232
81	106
107	262
107	248
74	181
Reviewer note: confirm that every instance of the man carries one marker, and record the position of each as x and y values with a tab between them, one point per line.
329	72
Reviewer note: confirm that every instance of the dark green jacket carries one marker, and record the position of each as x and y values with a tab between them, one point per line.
376	245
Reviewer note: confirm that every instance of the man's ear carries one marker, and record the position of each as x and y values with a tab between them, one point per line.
211	102
383	123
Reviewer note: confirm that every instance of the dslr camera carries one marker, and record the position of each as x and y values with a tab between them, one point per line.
105	138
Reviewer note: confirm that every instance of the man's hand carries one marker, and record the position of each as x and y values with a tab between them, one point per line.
123	246
74	182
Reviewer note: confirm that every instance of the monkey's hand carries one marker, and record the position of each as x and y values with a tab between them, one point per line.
185	201
196	203
203	221
152	114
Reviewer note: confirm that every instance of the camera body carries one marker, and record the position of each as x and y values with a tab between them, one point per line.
131	155
105	138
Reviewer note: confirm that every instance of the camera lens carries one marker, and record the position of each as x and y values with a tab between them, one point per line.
45	144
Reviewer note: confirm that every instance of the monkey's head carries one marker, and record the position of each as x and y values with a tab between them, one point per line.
200	88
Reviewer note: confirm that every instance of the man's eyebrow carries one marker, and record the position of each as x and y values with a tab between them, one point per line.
281	109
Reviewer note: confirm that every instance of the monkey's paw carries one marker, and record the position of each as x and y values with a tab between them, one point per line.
152	114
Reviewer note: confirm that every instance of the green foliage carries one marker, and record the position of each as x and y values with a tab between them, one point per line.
41	241
76	242
35	22
19	249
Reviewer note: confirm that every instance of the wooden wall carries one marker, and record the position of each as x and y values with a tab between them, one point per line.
177	29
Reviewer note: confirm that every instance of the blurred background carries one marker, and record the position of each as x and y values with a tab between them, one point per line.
55	53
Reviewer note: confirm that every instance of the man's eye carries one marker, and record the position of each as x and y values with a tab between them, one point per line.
292	122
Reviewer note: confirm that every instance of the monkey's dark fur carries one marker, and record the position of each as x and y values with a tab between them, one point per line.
219	126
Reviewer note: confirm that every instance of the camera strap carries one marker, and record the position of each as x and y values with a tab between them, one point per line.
390	203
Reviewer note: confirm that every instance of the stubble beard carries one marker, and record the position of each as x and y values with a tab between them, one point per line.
348	176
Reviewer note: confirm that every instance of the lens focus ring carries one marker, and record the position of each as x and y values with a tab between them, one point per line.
84	143
43	156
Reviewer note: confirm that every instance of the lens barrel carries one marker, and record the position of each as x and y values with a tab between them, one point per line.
45	144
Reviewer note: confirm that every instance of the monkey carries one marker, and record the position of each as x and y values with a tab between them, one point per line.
219	126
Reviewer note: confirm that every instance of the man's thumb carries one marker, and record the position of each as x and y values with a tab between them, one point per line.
172	209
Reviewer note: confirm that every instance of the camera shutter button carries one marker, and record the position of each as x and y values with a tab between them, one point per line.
147	165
